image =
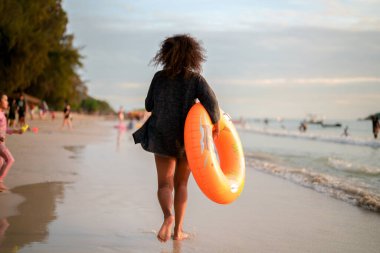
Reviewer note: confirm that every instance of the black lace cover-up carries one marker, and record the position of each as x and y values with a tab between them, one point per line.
170	100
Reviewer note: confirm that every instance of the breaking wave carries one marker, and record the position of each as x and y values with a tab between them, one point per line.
347	166
325	138
333	186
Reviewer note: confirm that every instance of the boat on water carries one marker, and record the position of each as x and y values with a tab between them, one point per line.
331	125
320	120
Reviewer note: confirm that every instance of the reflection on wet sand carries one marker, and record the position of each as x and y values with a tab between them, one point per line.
76	150
3	227
176	248
35	213
120	134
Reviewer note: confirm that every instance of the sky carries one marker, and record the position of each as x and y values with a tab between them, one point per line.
284	58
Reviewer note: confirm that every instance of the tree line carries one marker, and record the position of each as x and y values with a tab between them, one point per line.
37	55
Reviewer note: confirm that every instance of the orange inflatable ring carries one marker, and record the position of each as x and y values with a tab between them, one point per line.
218	166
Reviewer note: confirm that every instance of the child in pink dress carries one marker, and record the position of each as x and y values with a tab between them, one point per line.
6	157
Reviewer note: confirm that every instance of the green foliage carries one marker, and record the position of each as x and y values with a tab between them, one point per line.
36	54
92	105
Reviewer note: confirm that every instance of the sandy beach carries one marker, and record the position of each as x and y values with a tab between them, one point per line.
92	190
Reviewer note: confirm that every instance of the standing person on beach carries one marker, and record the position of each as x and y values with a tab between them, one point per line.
345	132
171	94
12	113
120	115
375	125
303	126
66	116
44	108
21	110
6	157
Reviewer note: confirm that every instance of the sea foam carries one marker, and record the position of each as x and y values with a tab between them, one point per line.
308	136
328	184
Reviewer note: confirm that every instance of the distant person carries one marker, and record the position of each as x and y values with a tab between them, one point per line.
44	108
120	115
375	125
131	124
171	94
31	110
345	132
52	114
21	110
67	117
303	127
5	155
12	113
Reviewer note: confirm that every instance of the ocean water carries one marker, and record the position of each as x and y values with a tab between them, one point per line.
323	159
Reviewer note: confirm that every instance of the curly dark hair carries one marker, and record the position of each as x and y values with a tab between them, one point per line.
180	54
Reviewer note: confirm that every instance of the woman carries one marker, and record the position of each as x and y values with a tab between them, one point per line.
171	94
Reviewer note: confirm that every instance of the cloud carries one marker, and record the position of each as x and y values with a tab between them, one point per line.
317	47
129	86
229	15
294	82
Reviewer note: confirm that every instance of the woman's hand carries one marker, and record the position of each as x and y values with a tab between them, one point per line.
215	131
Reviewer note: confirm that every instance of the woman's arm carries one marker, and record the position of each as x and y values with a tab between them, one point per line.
208	99
149	101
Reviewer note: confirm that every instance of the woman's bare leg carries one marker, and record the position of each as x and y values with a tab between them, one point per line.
70	124
63	123
165	173
181	177
6	164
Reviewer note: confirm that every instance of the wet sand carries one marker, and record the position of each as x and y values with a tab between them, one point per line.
93	190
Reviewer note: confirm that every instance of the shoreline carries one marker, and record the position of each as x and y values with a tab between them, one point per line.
92	189
322	183
35	153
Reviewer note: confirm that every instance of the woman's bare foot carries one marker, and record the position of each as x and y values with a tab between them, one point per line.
166	229
180	235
